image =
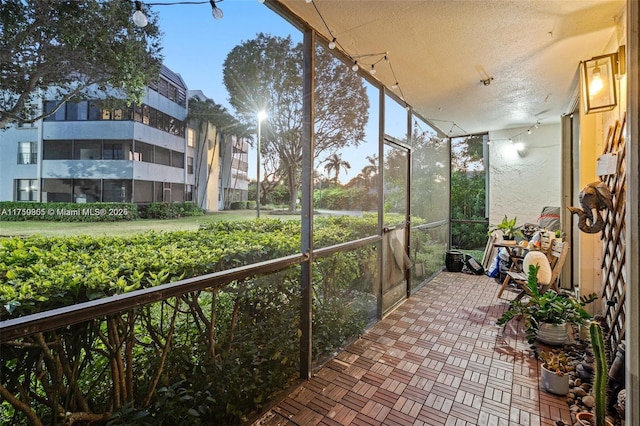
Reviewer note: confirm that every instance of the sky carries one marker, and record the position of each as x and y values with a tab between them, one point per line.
195	45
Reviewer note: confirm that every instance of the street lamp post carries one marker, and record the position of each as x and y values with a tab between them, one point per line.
261	116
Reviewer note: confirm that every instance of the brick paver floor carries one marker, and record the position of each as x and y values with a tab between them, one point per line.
438	359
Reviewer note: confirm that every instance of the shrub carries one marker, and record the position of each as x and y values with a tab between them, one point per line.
169	210
207	357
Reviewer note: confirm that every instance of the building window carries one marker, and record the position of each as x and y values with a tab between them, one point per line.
177	159
87	150
162	156
190	165
116	191
191	137
57	150
143	152
49	108
116	151
27	152
95	111
26	190
188	196
71	109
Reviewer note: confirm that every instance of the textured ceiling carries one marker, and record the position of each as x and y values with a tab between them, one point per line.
439	52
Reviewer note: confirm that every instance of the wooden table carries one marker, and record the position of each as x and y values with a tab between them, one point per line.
516	253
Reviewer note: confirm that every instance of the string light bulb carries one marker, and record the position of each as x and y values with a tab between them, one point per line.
332	43
215	10
139	18
372	71
355	66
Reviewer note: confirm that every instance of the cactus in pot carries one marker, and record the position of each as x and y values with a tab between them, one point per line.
600	377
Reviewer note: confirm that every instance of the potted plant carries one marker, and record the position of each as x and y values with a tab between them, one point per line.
508	228
555	369
599	389
547	315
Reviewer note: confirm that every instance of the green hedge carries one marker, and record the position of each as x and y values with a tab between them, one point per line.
12	211
208	357
169	210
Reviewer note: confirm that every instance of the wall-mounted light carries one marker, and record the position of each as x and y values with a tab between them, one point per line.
598	83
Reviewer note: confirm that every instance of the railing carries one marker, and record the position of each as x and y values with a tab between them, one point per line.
204	350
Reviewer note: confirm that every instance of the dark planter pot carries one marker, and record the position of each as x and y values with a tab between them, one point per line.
454	261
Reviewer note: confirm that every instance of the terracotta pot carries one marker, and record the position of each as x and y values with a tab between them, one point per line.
552	334
585	418
553	383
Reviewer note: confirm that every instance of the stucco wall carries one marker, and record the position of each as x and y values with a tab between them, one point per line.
524	173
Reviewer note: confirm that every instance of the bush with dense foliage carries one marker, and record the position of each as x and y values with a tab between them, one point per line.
208	357
169	210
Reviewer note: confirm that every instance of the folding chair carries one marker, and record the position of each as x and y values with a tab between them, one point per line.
556	256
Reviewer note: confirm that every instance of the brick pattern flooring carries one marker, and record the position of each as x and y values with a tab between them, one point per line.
438	359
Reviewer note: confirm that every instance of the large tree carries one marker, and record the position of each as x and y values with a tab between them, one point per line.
266	74
72	49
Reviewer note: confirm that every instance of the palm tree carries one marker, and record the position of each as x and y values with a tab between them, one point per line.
370	171
333	165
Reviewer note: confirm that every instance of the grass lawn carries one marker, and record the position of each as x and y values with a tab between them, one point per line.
59	229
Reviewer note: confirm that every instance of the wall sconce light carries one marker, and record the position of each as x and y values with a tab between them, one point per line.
599	83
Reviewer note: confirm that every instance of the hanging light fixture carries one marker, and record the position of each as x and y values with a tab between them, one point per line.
355	66
372	71
332	43
215	10
598	83
139	18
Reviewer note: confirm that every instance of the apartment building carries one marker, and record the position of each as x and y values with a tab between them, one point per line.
97	150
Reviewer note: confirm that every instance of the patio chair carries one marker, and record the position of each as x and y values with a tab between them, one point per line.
556	256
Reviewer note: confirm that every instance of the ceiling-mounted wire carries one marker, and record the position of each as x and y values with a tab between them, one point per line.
514	137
